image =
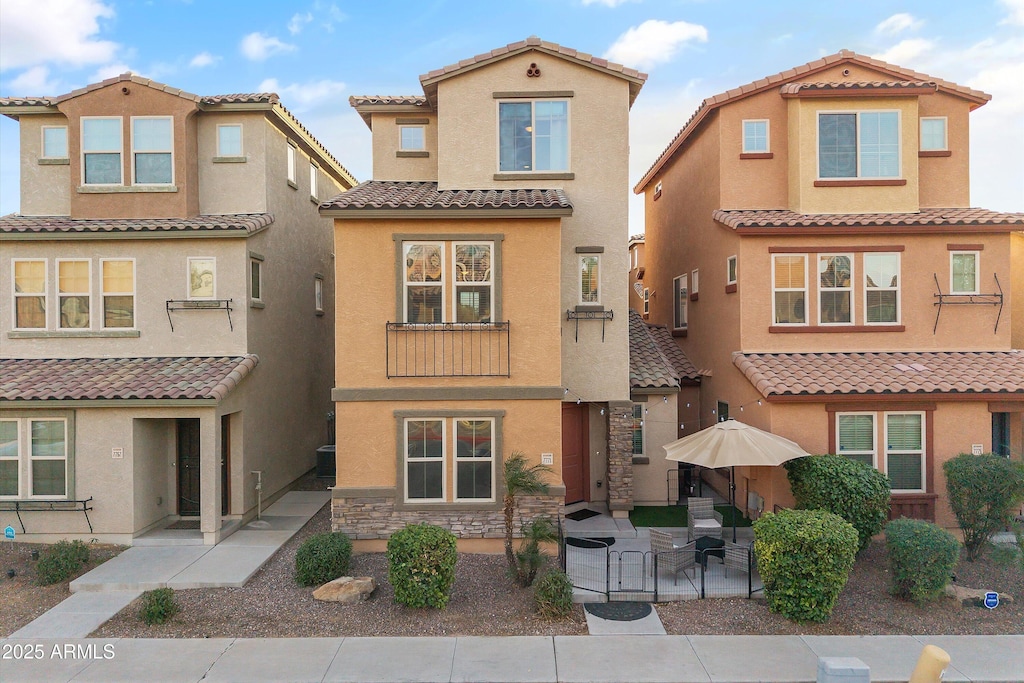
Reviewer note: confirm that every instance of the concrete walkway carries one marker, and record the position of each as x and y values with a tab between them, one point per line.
639	659
106	590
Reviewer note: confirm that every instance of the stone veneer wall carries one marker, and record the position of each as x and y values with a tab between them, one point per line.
376	517
620	455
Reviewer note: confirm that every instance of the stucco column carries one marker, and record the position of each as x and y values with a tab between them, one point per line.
209	480
620	458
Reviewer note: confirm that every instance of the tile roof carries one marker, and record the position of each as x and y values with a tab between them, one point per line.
413	195
797	88
884	373
397	100
639	237
13	224
49	379
937	216
977	97
655	360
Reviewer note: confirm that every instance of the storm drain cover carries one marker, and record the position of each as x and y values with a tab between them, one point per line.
618	611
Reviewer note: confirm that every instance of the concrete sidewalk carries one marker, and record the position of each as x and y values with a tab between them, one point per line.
541	659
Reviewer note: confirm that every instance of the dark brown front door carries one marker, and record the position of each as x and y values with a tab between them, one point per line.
188	467
575	447
225	463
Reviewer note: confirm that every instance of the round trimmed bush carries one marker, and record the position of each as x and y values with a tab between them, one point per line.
804	558
853	490
983	491
158	606
921	558
322	558
61	561
553	595
421	565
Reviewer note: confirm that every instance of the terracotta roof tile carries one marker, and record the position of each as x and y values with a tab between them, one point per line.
938	216
884	373
413	195
241	98
361	100
795	88
655	360
682	366
122	378
13	224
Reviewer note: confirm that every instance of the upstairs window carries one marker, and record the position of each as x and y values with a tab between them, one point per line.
963	272
590	279
73	293
835	289
474	284
256	278
638	429
933	134
424	282
229	140
730	270
859	145
789	289
29	294
755	136
411	139
881	288
680	297
101	151
647	301
118	292
313	170
153	150
533	136
55	142
291	164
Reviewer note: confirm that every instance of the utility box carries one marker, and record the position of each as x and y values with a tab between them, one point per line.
326	465
843	670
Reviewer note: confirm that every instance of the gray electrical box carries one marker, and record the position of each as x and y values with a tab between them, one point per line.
843	670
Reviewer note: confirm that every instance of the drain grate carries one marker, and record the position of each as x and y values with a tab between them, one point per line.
618	611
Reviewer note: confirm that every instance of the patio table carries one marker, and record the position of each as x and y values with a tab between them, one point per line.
707	545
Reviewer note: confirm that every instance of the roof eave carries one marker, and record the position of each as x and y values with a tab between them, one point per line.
447	212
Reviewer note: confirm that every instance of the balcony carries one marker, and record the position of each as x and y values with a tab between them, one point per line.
448	349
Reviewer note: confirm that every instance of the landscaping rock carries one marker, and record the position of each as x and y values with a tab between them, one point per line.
347	589
972	596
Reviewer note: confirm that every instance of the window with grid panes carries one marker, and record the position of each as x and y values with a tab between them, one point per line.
789	273
881	287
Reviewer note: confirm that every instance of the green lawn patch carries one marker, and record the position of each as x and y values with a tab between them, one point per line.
675	516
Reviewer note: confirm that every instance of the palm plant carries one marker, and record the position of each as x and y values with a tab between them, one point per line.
521	479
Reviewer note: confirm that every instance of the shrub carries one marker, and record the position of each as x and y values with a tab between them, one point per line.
853	490
983	490
421	565
921	558
61	561
553	595
322	558
804	558
530	558
158	606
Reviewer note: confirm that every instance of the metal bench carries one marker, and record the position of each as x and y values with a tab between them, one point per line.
19	506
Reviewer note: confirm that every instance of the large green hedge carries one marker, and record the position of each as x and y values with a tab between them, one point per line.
983	491
322	558
421	565
921	558
804	558
856	492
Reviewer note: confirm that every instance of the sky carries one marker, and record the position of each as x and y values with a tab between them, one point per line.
317	53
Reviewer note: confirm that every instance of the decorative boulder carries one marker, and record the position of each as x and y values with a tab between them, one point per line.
972	596
347	589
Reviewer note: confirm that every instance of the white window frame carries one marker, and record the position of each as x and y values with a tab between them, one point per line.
860	173
775	290
443	459
579	280
923	451
767	136
15	295
732	270
945	134
318	293
899	280
401	138
647	301
533	137
977	272
695	281
16	458
849	288
104	294
170	120
643	430
257	261
681	296
874	437
406	283
60	295
456	284
42	141
291	152
313	171
456	460
119	151
241	139
30	458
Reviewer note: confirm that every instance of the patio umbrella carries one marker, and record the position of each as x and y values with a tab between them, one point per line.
731	444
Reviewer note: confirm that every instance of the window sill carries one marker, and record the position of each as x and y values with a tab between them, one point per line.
319	314
230	160
862	182
412	154
582	308
641	460
657	195
757	155
72	334
935	153
442	506
55	161
731	288
679	332
695	296
314	200
116	189
530	175
293	185
257	304
842	329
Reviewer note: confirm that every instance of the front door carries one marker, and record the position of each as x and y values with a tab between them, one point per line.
575	456
188	467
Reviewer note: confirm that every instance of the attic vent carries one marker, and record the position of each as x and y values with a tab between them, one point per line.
533	71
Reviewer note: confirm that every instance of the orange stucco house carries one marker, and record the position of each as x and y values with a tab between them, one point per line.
811	243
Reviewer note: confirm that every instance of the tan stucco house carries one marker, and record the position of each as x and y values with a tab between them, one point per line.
166	325
811	244
482	274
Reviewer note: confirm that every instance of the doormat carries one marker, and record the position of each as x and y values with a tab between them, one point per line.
597	542
581	515
618	611
184	524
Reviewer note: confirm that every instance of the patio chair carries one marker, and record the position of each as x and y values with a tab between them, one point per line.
702	519
735	557
671	557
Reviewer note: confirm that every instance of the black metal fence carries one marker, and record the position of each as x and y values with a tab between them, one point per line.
448	349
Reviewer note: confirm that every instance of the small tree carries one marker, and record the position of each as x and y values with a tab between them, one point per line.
983	490
529	557
520	480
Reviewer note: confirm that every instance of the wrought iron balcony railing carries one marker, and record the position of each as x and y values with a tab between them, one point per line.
448	349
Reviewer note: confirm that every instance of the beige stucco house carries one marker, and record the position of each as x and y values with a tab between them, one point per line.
810	243
166	325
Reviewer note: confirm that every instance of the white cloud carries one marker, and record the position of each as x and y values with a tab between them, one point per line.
203	59
906	51
654	42
304	96
109	71
258	47
898	23
1016	12
607	3
53	31
35	81
298	22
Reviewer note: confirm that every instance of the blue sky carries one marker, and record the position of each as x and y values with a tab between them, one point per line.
317	53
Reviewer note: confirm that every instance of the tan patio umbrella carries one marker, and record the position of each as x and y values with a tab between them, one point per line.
733	444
